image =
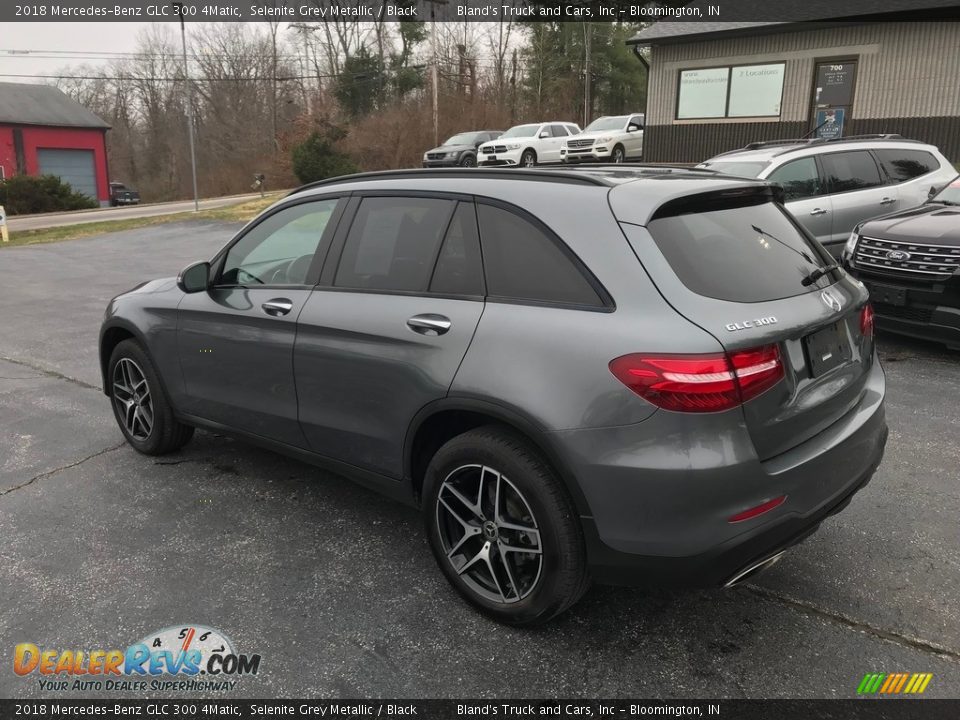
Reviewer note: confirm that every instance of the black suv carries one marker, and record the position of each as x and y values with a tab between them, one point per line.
910	263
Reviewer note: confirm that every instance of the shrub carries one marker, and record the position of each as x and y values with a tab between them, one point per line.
317	158
24	194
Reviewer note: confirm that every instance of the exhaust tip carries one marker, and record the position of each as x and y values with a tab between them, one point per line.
753	569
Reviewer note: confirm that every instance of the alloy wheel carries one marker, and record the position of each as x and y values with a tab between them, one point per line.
489	534
618	155
132	399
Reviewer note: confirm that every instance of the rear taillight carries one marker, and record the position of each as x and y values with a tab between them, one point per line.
700	383
866	320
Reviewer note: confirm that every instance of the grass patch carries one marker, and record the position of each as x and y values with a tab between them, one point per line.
241	212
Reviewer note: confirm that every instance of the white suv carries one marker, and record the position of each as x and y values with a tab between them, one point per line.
528	145
830	186
613	138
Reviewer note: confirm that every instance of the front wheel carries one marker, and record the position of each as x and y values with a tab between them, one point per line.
619	155
502	527
528	159
468	160
140	405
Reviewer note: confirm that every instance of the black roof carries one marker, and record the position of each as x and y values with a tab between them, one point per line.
743	17
22	104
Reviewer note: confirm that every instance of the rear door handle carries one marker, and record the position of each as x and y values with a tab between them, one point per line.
818	211
277	306
429	324
887	201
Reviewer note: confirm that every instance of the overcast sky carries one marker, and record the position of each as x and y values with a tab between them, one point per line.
88	38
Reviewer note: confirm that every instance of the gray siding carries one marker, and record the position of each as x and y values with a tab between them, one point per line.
907	72
905	69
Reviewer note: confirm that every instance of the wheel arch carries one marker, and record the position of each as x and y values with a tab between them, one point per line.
442	420
110	337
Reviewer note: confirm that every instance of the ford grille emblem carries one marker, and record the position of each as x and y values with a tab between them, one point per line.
898	255
831	300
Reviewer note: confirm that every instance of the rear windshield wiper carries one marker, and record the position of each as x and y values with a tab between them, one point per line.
819	273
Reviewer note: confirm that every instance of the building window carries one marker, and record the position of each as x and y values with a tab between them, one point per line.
736	91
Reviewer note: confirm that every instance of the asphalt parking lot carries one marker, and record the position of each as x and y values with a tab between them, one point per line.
334	586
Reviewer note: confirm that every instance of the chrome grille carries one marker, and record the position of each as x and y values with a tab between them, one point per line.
579	143
908	257
488	149
436	156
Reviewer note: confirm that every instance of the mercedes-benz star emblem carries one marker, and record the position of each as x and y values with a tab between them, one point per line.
831	300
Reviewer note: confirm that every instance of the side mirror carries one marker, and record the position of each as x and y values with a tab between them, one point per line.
544	134
194	278
932	193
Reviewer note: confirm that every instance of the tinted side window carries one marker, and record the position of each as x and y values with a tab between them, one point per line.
799	179
903	165
393	243
558	130
854	170
522	262
279	250
459	268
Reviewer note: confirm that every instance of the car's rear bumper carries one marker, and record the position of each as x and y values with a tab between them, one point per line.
661	517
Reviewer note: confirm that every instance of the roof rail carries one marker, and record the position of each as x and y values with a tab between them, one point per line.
650	168
798	143
487	173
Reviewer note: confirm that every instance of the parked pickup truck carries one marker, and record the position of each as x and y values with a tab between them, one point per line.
120	194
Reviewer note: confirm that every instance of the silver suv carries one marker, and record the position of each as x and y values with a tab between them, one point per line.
832	185
620	374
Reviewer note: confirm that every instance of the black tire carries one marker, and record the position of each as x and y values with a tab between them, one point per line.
528	159
468	160
619	155
561	577
165	434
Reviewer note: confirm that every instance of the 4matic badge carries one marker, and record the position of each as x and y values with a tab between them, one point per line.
188	650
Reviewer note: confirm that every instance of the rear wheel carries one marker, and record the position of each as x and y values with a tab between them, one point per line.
528	159
502	528
140	405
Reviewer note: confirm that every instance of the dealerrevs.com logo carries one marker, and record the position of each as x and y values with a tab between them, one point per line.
198	657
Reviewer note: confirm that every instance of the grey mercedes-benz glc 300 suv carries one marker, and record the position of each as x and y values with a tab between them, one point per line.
622	374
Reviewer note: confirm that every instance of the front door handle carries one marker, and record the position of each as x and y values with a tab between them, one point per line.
818	211
429	324
887	201
277	307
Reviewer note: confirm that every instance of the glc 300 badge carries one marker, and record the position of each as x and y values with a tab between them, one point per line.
831	300
747	324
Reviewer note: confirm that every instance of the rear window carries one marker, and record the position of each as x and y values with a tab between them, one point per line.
748	253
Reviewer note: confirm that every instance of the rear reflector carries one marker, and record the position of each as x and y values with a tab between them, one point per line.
758	510
866	320
700	383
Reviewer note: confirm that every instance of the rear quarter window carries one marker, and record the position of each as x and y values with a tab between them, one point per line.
748	253
903	165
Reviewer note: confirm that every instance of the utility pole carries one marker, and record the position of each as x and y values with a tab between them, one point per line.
434	74
434	78
587	37
189	96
